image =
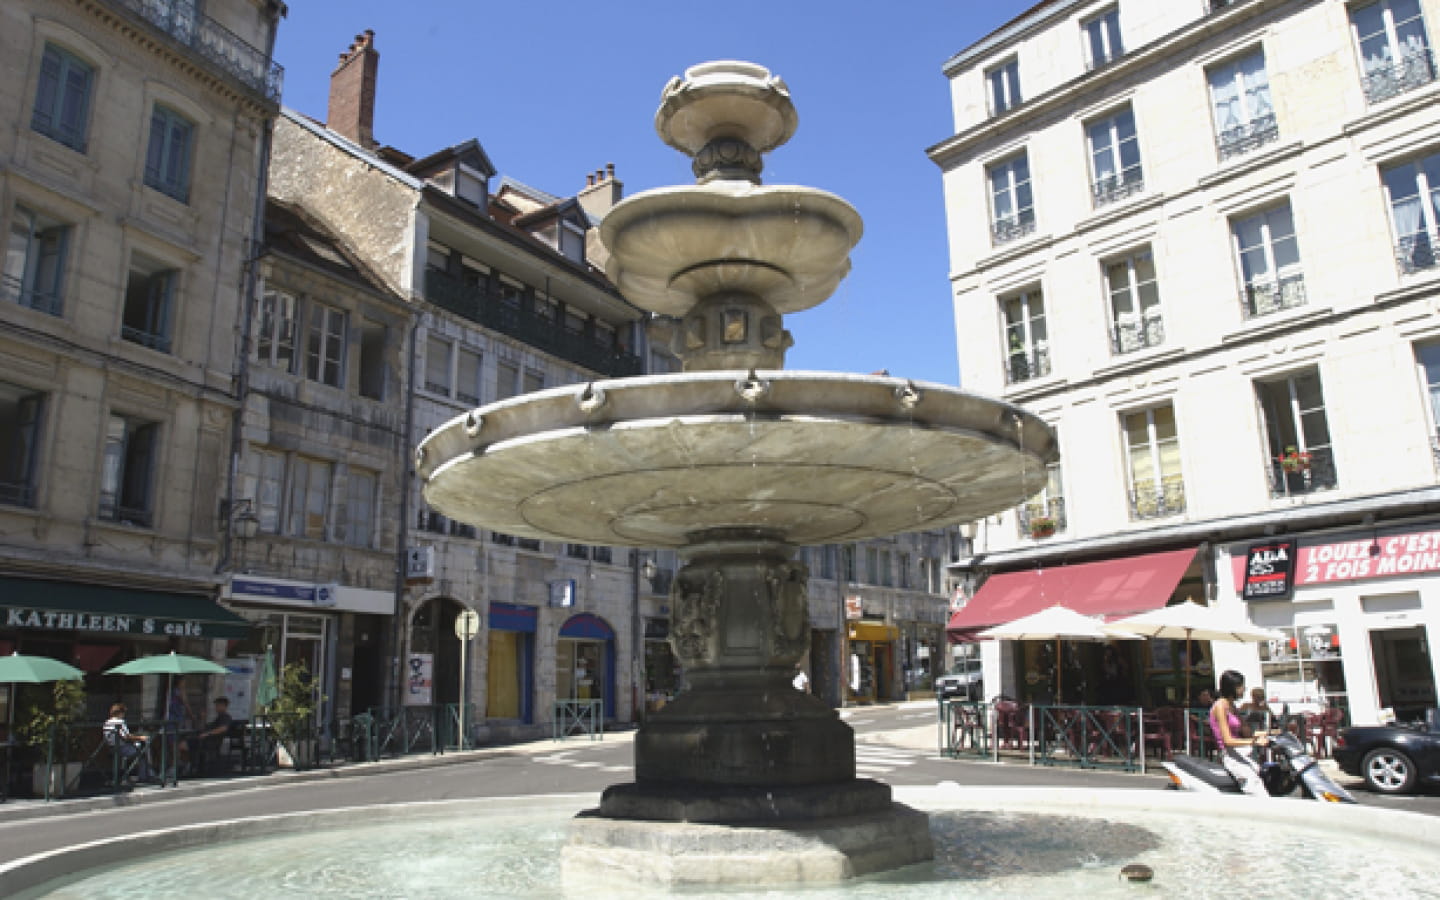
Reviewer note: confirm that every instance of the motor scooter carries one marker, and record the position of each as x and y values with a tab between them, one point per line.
1284	763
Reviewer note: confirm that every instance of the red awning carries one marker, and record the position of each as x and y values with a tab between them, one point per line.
1110	587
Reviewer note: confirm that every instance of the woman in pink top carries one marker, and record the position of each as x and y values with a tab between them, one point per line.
1225	725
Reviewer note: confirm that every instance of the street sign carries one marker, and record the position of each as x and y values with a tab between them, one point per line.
467	625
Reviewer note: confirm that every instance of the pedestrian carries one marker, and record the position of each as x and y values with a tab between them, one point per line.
1225	725
133	750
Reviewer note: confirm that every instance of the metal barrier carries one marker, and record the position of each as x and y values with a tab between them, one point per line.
966	728
1089	737
578	717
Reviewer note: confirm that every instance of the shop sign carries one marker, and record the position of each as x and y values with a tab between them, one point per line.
254	588
1358	560
420	680
419	565
562	593
1269	568
56	620
854	607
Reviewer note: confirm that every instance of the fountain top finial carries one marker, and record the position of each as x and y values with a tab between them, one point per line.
725	114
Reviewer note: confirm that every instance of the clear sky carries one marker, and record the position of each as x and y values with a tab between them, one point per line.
556	89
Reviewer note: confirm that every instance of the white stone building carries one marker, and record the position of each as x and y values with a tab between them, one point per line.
1198	239
130	161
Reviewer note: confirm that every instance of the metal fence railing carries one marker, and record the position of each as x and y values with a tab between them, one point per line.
578	717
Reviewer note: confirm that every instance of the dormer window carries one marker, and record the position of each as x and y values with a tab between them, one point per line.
471	186
572	241
1003	86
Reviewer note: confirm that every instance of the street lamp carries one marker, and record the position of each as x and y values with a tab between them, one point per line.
244	525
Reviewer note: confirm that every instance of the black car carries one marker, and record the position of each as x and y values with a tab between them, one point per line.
1393	759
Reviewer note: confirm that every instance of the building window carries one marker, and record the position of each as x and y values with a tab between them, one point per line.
577	551
437	365
149	296
1427	356
906	579
1012	209
35	261
372	360
1395	52
1134	303
847	564
359	525
1003	82
62	99
1114	158
1414	191
1044	514
1297	434
266	483
534	381
276	330
325	345
507	375
1102	38
20	420
1269	262
131	449
1152	448
872	565
1027	349
467	376
1244	117
167	159
309	499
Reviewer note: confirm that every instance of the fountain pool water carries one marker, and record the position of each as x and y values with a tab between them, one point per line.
989	842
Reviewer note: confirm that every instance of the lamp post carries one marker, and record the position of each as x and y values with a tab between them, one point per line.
244	525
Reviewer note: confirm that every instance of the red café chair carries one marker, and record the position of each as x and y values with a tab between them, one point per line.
1012	726
1320	729
1157	736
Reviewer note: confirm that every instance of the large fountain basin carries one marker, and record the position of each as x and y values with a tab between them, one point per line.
815	457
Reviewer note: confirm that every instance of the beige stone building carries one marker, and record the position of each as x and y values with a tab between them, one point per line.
130	164
1197	237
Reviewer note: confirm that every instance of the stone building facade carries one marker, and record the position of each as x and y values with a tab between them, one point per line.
1197	238
130	170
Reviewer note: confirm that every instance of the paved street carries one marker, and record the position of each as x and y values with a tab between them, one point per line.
894	743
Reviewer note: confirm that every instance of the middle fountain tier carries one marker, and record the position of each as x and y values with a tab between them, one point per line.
734	463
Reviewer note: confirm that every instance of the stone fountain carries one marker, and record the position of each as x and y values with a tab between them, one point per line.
734	463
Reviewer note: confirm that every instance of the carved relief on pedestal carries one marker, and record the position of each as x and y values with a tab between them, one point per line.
789	611
696	618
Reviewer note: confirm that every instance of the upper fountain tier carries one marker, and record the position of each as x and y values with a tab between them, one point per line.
728	256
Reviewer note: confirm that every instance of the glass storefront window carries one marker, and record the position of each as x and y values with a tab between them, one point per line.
579	670
1304	668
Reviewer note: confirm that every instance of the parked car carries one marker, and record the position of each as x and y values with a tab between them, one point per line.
1393	759
965	681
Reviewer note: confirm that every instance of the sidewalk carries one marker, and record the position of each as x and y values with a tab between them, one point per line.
19	809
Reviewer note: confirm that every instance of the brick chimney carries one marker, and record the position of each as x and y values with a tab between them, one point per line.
352	91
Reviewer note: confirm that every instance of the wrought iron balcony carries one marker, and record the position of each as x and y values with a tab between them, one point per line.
1416	253
490	309
113	512
213	42
1413	69
1154	501
145	338
1003	231
1315	471
1118	186
1028	515
17	493
1024	365
1131	334
40	301
1245	138
1260	298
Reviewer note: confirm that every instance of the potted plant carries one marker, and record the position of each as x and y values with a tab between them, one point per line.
1293	460
53	721
293	716
1042	526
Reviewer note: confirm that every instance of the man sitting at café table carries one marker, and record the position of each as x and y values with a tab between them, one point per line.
214	733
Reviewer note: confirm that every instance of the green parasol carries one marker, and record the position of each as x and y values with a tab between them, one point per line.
17	669
268	689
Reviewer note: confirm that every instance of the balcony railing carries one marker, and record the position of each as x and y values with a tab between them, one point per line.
1003	231
1414	69
1416	253
490	309
1118	186
40	301
1130	334
17	493
1154	501
1023	365
111	512
1313	472
216	44
145	338
1260	298
1052	508
1245	138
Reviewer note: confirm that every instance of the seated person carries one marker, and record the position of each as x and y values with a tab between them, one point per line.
216	729
133	749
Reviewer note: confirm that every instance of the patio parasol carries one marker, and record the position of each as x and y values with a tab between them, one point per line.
17	669
1056	623
268	689
1192	622
169	664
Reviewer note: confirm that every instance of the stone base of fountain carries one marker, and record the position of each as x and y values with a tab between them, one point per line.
816	834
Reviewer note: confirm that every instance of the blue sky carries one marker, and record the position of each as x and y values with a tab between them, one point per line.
557	89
